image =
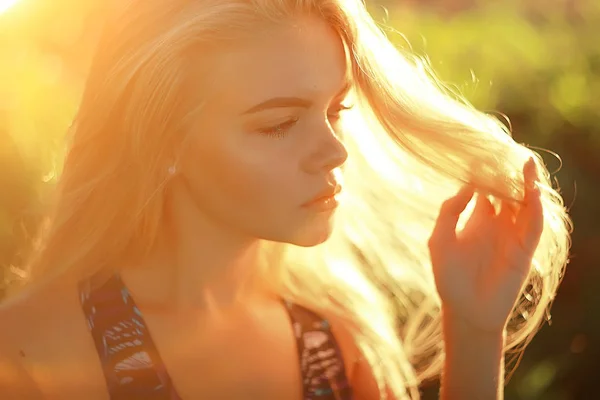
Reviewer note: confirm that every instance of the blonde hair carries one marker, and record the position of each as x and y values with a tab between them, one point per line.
411	145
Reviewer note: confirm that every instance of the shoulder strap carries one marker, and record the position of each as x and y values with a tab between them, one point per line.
132	366
321	362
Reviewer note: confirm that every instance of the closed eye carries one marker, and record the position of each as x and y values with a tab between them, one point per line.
279	130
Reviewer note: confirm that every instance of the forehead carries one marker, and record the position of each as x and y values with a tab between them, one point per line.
306	58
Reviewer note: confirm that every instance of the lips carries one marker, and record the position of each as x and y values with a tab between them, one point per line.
325	195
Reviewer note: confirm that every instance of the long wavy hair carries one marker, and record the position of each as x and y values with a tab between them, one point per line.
411	142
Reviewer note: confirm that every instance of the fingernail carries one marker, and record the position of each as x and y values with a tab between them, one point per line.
530	162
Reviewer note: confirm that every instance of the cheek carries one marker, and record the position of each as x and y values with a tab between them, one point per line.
233	173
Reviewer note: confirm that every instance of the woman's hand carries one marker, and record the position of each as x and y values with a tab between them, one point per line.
480	271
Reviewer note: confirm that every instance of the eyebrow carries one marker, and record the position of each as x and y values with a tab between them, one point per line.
282	102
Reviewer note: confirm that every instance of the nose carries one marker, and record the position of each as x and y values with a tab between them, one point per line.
329	153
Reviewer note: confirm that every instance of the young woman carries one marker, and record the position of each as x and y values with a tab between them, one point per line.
264	199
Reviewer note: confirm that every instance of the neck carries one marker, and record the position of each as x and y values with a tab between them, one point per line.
198	264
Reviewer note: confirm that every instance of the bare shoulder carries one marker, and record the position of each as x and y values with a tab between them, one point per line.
42	341
358	369
28	315
21	324
15	380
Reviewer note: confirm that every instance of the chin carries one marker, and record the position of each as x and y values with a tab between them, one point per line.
304	233
312	235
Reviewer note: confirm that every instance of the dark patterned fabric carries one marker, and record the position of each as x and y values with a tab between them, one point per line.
134	370
132	366
323	372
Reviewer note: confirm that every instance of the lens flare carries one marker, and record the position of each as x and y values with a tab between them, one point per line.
6	4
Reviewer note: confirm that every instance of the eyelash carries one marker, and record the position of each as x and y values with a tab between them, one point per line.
280	130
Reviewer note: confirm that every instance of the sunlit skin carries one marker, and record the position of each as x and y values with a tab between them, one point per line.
262	168
188	290
6	4
479	272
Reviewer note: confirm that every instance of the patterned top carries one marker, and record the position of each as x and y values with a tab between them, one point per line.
133	368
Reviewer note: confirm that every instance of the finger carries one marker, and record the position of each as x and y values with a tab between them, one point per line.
445	227
506	216
483	213
530	219
505	222
530	174
484	207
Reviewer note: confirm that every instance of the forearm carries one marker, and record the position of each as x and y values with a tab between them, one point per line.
474	364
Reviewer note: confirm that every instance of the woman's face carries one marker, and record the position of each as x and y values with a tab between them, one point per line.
267	141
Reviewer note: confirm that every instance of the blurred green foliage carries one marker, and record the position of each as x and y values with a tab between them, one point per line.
536	62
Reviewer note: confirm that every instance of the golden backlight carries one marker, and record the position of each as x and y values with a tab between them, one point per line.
6	4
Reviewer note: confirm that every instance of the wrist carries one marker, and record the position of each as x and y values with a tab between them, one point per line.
457	326
474	360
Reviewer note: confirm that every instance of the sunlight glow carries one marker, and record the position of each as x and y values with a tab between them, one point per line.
6	4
